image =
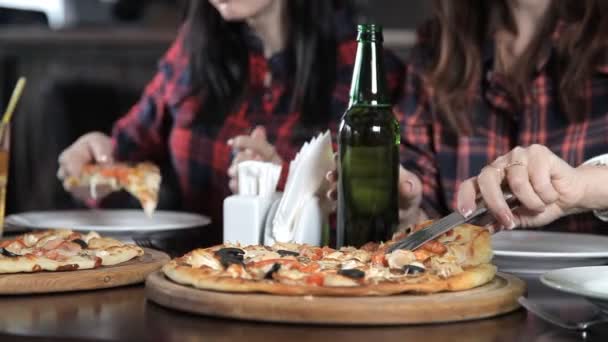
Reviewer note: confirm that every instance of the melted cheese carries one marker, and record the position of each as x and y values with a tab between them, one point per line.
338	281
260	255
399	258
198	258
30	240
89	236
445	270
352	263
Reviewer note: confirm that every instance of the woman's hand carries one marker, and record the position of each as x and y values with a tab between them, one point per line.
250	147
545	185
410	196
94	147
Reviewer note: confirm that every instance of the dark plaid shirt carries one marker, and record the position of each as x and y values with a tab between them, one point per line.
443	159
161	127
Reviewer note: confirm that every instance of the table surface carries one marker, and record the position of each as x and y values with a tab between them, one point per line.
123	314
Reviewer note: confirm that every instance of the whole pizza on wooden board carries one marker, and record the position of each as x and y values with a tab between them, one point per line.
456	261
141	180
62	250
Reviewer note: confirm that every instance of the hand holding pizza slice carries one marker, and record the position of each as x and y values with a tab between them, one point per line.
141	180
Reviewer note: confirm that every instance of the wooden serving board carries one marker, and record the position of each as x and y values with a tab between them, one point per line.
495	298
131	272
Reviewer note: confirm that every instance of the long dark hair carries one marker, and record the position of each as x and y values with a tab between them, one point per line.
462	27
219	58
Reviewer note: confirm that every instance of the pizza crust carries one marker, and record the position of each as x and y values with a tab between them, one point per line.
203	279
28	264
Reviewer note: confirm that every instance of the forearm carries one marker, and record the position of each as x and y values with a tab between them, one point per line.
595	194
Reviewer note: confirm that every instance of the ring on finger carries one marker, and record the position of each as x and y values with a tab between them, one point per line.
515	163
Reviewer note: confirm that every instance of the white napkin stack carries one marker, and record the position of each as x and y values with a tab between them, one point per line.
306	174
245	212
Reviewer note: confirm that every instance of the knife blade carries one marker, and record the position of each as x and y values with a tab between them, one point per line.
445	224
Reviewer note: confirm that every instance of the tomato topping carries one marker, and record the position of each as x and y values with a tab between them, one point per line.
74	236
421	254
435	247
52	254
379	258
310	268
315	279
327	250
275	261
314	253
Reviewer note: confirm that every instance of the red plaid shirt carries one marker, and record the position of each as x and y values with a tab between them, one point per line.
443	159
161	127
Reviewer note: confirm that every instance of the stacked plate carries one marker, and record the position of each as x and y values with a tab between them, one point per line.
589	282
536	252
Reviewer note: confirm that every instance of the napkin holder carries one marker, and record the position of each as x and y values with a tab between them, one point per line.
244	218
248	220
245	212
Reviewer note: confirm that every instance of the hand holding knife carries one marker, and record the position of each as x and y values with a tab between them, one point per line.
447	223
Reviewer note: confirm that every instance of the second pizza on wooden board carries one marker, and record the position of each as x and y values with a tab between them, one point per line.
456	261
62	250
141	180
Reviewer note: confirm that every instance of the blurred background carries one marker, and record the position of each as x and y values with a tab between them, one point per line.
87	62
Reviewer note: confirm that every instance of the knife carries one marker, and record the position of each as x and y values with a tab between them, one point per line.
446	224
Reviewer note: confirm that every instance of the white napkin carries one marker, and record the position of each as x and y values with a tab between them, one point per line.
258	178
306	174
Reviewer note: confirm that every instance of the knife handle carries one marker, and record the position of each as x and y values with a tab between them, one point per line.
481	215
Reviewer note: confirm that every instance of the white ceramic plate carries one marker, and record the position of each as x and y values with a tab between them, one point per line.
107	221
538	251
589	282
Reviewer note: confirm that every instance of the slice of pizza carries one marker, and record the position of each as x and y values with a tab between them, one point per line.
62	250
456	261
141	180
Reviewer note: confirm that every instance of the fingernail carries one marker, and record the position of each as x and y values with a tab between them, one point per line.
466	212
507	219
409	186
103	158
230	142
328	176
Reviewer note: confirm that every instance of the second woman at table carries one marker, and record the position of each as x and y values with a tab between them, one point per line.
522	87
245	79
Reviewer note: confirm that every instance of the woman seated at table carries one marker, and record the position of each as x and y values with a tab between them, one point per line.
283	67
520	86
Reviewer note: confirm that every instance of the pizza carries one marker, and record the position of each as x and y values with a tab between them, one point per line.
456	261
62	250
141	180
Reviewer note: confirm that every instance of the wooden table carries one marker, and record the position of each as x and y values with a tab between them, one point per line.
123	314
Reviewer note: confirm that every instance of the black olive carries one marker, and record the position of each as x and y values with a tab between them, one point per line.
352	273
275	268
413	269
81	243
7	253
230	255
227	260
283	253
230	251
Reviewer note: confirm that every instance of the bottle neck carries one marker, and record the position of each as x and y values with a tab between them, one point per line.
368	86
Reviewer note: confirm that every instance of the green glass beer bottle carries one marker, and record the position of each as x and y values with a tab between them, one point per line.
368	141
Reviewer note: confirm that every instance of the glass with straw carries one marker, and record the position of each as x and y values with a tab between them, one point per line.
5	139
